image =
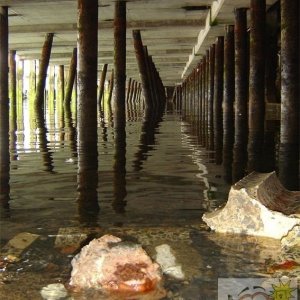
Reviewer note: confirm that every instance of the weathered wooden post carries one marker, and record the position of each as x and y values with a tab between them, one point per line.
87	44
256	85
241	95
218	99
43	67
140	57
13	104
4	109
210	115
101	84
71	78
228	102
289	126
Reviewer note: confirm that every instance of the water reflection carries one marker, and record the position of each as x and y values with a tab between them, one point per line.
87	175
42	139
151	123
70	130
119	170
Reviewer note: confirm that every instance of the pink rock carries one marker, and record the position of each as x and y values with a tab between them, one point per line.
109	264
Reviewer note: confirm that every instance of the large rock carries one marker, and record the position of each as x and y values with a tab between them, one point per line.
109	264
257	205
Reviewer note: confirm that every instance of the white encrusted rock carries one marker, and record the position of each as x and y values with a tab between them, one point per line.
167	260
109	264
257	205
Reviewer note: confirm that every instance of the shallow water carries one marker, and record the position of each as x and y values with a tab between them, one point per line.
154	194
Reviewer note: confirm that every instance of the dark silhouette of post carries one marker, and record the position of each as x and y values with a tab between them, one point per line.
256	85
4	110
289	126
218	98
210	116
71	78
43	67
241	95
87	45
141	60
101	84
228	102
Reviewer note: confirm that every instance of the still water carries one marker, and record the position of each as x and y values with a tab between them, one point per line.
153	192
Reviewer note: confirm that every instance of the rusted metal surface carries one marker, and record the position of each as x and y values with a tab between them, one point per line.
228	102
140	57
218	99
101	84
4	110
211	88
289	127
87	45
256	85
43	67
241	95
71	78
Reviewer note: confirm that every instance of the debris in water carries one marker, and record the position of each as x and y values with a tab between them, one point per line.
166	259
15	247
54	291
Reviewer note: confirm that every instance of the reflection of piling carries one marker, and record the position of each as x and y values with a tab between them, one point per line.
228	101
129	87
71	78
241	95
256	85
4	109
42	138
218	99
43	66
289	130
150	124
101	84
87	44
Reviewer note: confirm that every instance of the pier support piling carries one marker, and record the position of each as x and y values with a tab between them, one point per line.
256	85
289	127
43	67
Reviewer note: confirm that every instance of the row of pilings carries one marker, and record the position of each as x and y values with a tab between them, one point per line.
231	90
89	99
